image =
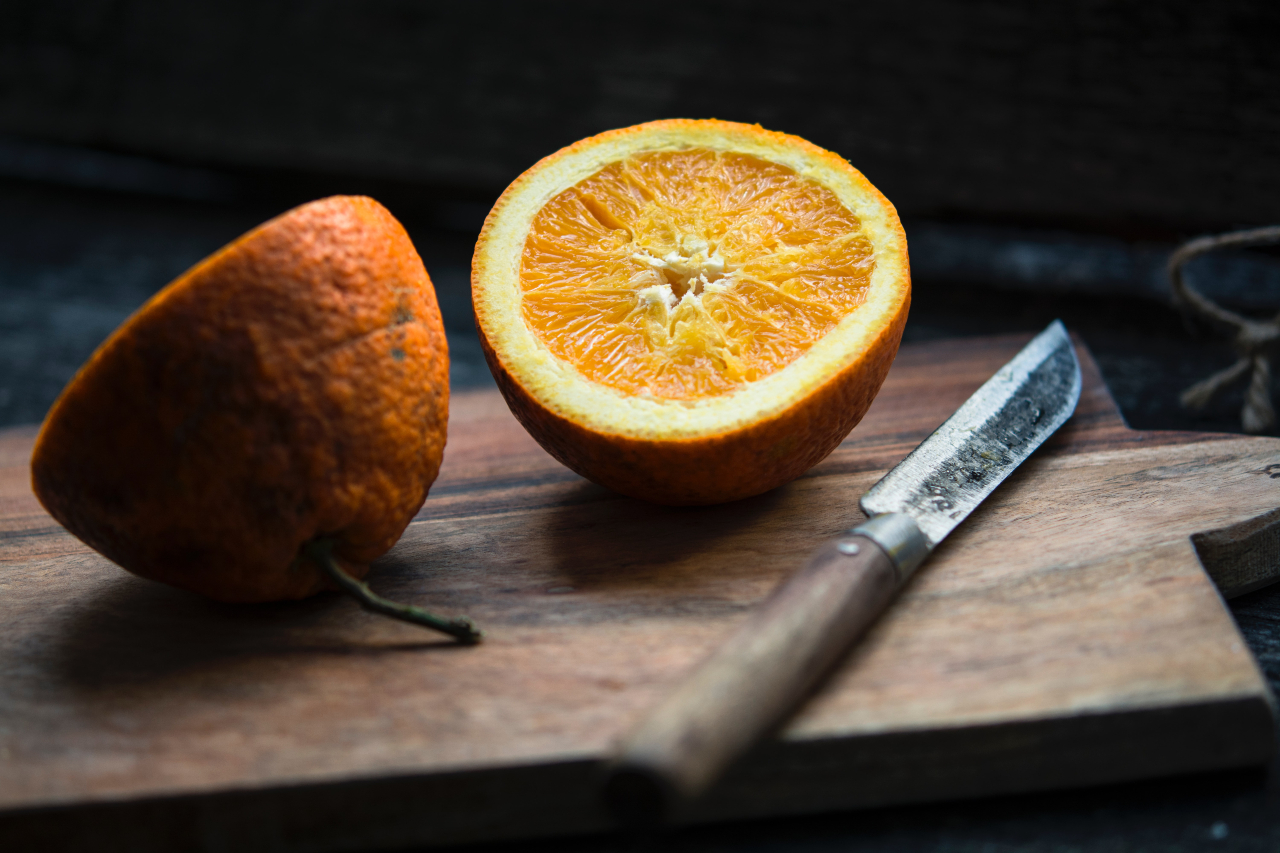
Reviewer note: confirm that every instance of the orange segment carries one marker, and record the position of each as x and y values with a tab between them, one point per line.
684	274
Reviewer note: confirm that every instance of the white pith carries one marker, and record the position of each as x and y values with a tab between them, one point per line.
560	387
681	276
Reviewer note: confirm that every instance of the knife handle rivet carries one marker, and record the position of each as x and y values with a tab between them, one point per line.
848	548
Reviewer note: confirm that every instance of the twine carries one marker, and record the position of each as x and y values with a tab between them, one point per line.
1255	341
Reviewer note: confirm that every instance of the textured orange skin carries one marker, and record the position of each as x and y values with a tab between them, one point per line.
718	468
293	385
713	469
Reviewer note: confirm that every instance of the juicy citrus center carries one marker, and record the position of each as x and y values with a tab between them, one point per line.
685	274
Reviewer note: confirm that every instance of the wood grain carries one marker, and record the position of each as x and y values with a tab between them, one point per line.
1066	635
751	683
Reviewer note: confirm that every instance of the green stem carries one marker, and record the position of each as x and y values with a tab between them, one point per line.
321	551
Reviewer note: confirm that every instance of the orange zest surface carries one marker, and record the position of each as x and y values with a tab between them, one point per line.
292	388
684	274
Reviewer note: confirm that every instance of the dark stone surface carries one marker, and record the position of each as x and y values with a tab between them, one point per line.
74	262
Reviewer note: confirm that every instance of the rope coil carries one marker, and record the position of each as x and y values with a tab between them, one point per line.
1255	341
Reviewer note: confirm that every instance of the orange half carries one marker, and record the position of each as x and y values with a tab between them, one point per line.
691	311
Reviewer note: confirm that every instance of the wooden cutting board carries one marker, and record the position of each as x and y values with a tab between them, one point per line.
1065	635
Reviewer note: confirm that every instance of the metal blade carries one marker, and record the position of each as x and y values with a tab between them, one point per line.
954	469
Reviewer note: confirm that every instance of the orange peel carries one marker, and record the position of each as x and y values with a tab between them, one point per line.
289	390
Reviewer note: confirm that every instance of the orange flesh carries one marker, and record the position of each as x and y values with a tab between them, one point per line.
684	274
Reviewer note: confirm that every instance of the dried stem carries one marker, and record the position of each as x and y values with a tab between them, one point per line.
462	628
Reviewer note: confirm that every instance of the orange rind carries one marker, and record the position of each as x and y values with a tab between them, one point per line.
286	396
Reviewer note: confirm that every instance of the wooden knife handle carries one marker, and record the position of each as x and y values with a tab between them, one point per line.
751	683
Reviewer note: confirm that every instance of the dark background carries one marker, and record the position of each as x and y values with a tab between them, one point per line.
1045	159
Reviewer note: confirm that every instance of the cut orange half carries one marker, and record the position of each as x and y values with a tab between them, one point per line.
691	312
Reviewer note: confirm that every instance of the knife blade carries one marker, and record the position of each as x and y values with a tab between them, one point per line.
772	662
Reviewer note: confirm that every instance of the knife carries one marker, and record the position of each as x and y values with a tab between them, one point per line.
772	663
